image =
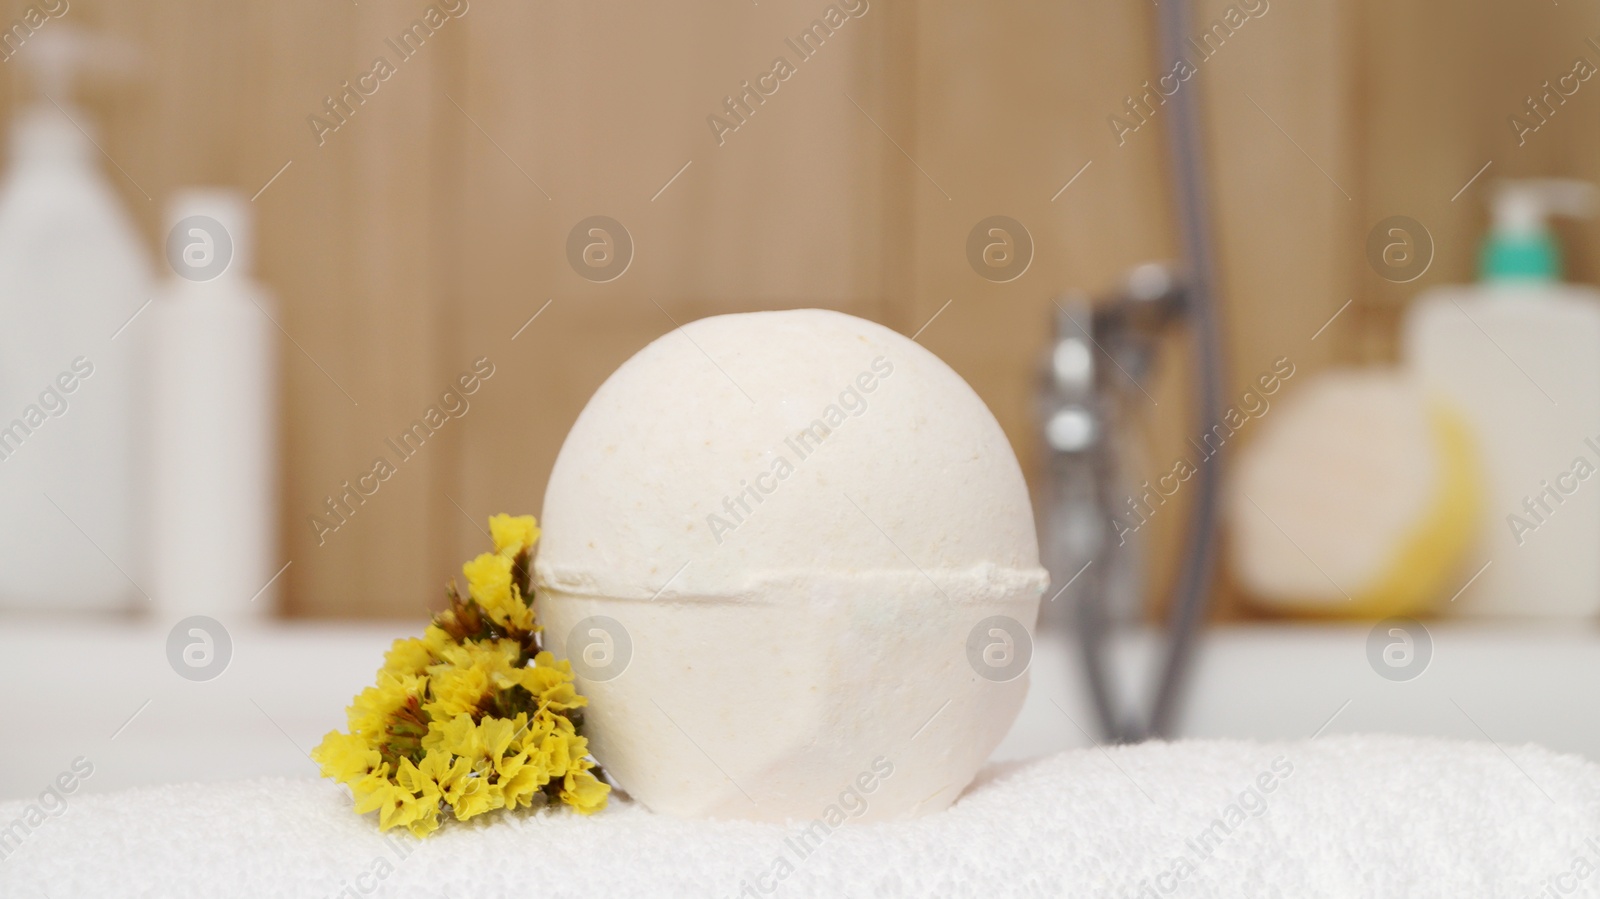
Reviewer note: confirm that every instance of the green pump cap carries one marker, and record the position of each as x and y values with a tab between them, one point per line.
1520	245
1533	257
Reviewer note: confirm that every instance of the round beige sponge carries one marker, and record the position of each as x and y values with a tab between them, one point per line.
1358	498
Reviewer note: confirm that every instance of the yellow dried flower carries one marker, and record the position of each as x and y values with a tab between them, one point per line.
521	780
495	735
345	757
470	675
584	792
456	736
490	586
437	640
458	690
557	750
372	791
521	777
513	534
374	708
396	799
478	795
408	655
409	800
489	580
450	773
550	682
473	716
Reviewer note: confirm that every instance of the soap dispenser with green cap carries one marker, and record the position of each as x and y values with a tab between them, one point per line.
1518	357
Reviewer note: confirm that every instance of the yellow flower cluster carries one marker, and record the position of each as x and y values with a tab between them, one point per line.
473	716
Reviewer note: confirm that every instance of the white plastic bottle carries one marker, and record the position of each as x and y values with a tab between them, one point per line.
214	436
1519	356
73	276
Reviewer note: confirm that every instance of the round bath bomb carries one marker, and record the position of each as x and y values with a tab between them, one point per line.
792	559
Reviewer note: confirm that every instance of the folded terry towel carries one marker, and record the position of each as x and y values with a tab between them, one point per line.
1340	816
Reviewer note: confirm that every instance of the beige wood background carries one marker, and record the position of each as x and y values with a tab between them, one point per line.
427	230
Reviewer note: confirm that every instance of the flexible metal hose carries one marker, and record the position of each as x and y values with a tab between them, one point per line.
1191	593
1186	141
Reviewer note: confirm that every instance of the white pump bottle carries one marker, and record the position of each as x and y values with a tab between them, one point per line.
1518	355
73	277
214	449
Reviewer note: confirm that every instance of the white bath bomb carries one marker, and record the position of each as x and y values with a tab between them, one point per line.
792	558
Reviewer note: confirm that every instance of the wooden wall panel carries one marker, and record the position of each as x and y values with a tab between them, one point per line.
357	259
427	231
1009	108
348	237
1440	82
1277	216
789	210
1285	175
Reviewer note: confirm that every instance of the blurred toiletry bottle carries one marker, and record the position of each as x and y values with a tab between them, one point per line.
214	535
73	278
1519	356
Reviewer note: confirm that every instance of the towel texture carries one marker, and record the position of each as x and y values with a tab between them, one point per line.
1339	816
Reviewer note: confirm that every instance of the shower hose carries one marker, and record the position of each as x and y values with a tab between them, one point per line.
1192	589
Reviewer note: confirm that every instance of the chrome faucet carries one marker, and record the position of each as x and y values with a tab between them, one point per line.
1103	353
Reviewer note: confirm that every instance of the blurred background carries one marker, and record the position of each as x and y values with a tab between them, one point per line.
415	188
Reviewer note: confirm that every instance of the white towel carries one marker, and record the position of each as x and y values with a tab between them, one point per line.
1339	816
